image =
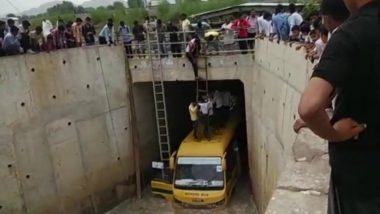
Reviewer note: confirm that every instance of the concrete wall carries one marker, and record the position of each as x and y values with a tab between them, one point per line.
64	132
293	168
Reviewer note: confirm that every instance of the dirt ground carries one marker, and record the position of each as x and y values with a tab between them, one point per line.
241	203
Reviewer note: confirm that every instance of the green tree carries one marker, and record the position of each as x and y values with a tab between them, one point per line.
80	9
64	7
310	6
135	3
117	5
163	9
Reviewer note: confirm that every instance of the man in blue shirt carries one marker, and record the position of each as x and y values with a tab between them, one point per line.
280	24
11	45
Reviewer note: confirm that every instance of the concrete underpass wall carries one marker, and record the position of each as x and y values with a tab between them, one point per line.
273	82
64	132
291	165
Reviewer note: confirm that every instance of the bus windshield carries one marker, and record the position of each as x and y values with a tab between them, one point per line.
199	173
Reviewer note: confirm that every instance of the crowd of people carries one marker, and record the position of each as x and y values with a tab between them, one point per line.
240	33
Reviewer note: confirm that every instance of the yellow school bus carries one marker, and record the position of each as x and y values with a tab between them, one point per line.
204	171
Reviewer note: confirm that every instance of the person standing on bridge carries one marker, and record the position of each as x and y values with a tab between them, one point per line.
253	28
242	26
125	33
294	19
280	24
77	30
349	68
89	32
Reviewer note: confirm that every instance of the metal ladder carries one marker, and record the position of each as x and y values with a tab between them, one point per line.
202	83
159	102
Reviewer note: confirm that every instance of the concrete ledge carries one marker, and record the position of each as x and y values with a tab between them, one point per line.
303	186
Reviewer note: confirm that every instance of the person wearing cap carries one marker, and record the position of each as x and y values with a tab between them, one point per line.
349	69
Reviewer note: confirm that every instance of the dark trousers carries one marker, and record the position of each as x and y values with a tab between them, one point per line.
205	121
25	43
251	41
194	62
102	40
176	50
90	40
195	127
351	204
243	45
128	49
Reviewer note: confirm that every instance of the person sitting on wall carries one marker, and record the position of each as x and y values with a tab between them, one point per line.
193	110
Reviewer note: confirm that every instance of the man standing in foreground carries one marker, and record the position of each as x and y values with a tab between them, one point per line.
349	67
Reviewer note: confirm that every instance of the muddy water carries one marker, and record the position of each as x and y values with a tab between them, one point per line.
241	203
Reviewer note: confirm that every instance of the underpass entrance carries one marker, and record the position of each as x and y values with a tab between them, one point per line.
178	97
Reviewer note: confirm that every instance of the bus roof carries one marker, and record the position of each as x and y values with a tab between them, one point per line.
213	147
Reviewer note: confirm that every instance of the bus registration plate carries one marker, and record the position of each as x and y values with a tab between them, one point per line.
197	200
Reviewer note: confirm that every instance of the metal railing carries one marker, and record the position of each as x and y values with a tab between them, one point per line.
167	46
174	47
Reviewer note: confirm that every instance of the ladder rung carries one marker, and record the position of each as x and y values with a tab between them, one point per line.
202	90
160	101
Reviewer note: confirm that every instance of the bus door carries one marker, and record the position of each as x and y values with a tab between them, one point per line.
164	187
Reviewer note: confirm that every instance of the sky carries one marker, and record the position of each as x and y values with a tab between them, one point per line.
22	5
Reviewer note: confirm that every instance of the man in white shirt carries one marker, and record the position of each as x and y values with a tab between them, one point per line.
228	35
265	24
47	27
206	109
295	18
186	24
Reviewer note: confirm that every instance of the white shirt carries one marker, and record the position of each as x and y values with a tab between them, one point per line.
190	46
265	26
206	108
228	34
186	25
253	24
47	27
293	20
319	47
